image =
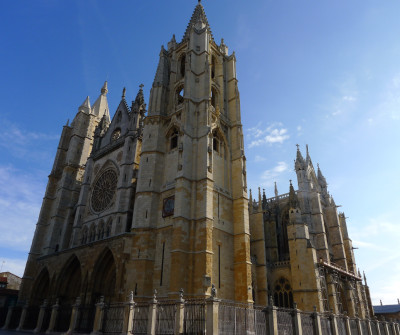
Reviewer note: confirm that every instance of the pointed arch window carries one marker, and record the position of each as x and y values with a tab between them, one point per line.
173	139
214	97
182	63
213	61
179	95
283	295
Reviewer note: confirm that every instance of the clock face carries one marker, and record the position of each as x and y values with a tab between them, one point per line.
115	135
168	206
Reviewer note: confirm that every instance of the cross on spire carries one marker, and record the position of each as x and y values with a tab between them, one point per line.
297	146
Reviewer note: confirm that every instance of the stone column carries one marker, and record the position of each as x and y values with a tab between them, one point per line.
23	316
128	315
53	318
8	317
347	324
42	313
272	317
74	316
212	313
151	326
378	331
298	330
359	329
98	317
385	325
180	313
335	330
368	321
317	322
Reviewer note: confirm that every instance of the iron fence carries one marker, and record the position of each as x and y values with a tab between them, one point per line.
86	319
260	320
113	319
166	315
341	325
326	325
374	328
194	319
140	318
382	328
285	321
307	323
353	327
364	327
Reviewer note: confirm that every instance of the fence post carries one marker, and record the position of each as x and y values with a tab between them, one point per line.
151	326
40	317
180	313
128	315
73	323
317	322
23	316
385	326
98	317
212	313
271	317
368	321
53	318
335	330
298	330
8	317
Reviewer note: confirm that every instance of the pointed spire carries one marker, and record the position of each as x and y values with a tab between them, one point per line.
123	93
138	105
251	198
86	103
276	190
259	197
299	162
104	89
321	179
100	107
293	200
365	278
308	158
198	16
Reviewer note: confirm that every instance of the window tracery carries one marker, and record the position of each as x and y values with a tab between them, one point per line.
283	296
104	190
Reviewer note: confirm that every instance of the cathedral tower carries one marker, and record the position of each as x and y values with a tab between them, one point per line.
191	215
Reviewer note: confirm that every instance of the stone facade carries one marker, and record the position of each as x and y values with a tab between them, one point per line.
157	200
302	251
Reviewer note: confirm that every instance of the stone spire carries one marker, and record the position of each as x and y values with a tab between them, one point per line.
100	107
299	162
293	200
321	179
85	106
276	190
139	105
161	78
197	21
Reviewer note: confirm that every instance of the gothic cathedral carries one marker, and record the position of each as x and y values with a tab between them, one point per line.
156	199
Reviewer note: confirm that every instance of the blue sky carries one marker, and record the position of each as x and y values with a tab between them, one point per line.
322	73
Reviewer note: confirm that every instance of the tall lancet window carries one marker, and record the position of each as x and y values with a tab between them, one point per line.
213	61
213	97
173	139
182	63
179	95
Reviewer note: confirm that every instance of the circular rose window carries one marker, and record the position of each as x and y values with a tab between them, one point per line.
104	190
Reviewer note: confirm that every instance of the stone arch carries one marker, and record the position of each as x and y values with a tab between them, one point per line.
40	288
214	96
283	295
220	143
69	281
172	135
104	277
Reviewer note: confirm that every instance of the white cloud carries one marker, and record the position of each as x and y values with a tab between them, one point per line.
258	159
20	200
268	177
274	133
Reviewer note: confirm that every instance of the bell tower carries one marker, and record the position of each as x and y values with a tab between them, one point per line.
191	208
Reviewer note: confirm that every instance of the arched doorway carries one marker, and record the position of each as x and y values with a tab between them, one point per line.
104	277
40	289
68	289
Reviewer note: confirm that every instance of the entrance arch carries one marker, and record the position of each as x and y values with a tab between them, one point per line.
69	282
40	289
104	277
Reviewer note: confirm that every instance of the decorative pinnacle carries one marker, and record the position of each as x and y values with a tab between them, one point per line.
104	89
290	181
298	146
123	93
141	86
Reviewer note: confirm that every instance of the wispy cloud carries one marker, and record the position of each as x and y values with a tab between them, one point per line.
269	176
24	144
272	134
259	159
21	195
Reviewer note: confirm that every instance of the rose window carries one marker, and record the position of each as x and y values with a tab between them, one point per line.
104	190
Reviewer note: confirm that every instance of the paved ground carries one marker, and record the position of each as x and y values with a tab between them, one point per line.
13	332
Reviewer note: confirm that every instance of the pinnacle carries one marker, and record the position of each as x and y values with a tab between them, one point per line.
86	103
104	89
198	15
